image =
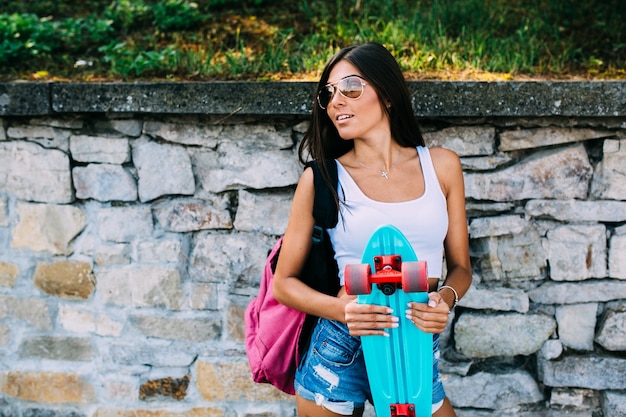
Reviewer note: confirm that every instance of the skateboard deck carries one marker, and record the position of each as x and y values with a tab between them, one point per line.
399	367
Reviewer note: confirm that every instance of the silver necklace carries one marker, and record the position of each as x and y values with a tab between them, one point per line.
383	173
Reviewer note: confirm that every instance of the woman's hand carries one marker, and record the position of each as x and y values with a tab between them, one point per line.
431	317
369	319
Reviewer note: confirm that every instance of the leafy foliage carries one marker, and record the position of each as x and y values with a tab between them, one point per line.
270	39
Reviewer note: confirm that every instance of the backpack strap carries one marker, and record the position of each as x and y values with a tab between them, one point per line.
321	258
321	262
324	207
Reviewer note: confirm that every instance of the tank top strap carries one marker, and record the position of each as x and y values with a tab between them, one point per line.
428	169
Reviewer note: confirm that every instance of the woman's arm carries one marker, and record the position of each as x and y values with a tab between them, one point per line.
456	244
433	318
287	287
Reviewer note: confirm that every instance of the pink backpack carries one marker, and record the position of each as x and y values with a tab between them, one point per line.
276	335
272	334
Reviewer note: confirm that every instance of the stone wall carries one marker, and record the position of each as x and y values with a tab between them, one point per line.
135	219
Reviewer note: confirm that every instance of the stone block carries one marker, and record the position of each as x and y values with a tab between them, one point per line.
8	274
33	311
140	286
552	349
576	325
235	323
98	149
125	224
184	133
263	212
192	214
47	387
464	140
510	258
577	211
113	254
231	381
104	182
562	174
236	260
81	320
33	173
609	180
48	227
593	372
614	404
577	252
504	334
497	226
166	250
163	169
257	137
128	127
59	348
151	354
203	329
617	259
493	391
498	299
236	167
66	279
570	399
168	387
583	292
204	297
612	332
47	136
512	140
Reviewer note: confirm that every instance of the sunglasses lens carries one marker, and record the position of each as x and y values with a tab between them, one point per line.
324	96
351	87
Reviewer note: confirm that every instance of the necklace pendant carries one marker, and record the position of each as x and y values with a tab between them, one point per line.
384	174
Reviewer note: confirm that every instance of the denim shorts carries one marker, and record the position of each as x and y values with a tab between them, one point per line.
332	372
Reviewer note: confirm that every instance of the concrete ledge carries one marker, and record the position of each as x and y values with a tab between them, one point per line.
24	99
430	98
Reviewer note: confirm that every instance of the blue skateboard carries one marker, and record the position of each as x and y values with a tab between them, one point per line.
399	367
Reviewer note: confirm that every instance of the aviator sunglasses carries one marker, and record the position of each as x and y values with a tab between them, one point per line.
351	86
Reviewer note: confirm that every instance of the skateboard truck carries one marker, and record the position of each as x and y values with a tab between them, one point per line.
387	275
402	410
390	273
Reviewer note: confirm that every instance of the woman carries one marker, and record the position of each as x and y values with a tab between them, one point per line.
364	120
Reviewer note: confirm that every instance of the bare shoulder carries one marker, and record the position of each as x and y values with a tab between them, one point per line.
306	176
444	159
305	190
447	165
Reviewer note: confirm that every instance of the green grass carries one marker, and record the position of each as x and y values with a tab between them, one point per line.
281	39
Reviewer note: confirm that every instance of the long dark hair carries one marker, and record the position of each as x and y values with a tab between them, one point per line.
322	142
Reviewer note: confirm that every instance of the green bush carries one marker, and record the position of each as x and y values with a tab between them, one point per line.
176	15
127	14
25	36
264	39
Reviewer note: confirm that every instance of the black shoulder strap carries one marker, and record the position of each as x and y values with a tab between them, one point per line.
324	207
320	271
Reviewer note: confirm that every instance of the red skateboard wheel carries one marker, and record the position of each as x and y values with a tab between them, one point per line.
414	277
356	279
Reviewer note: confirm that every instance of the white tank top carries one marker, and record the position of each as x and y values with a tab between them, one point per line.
424	220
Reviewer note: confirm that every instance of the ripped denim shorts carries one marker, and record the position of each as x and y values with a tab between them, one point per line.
332	372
